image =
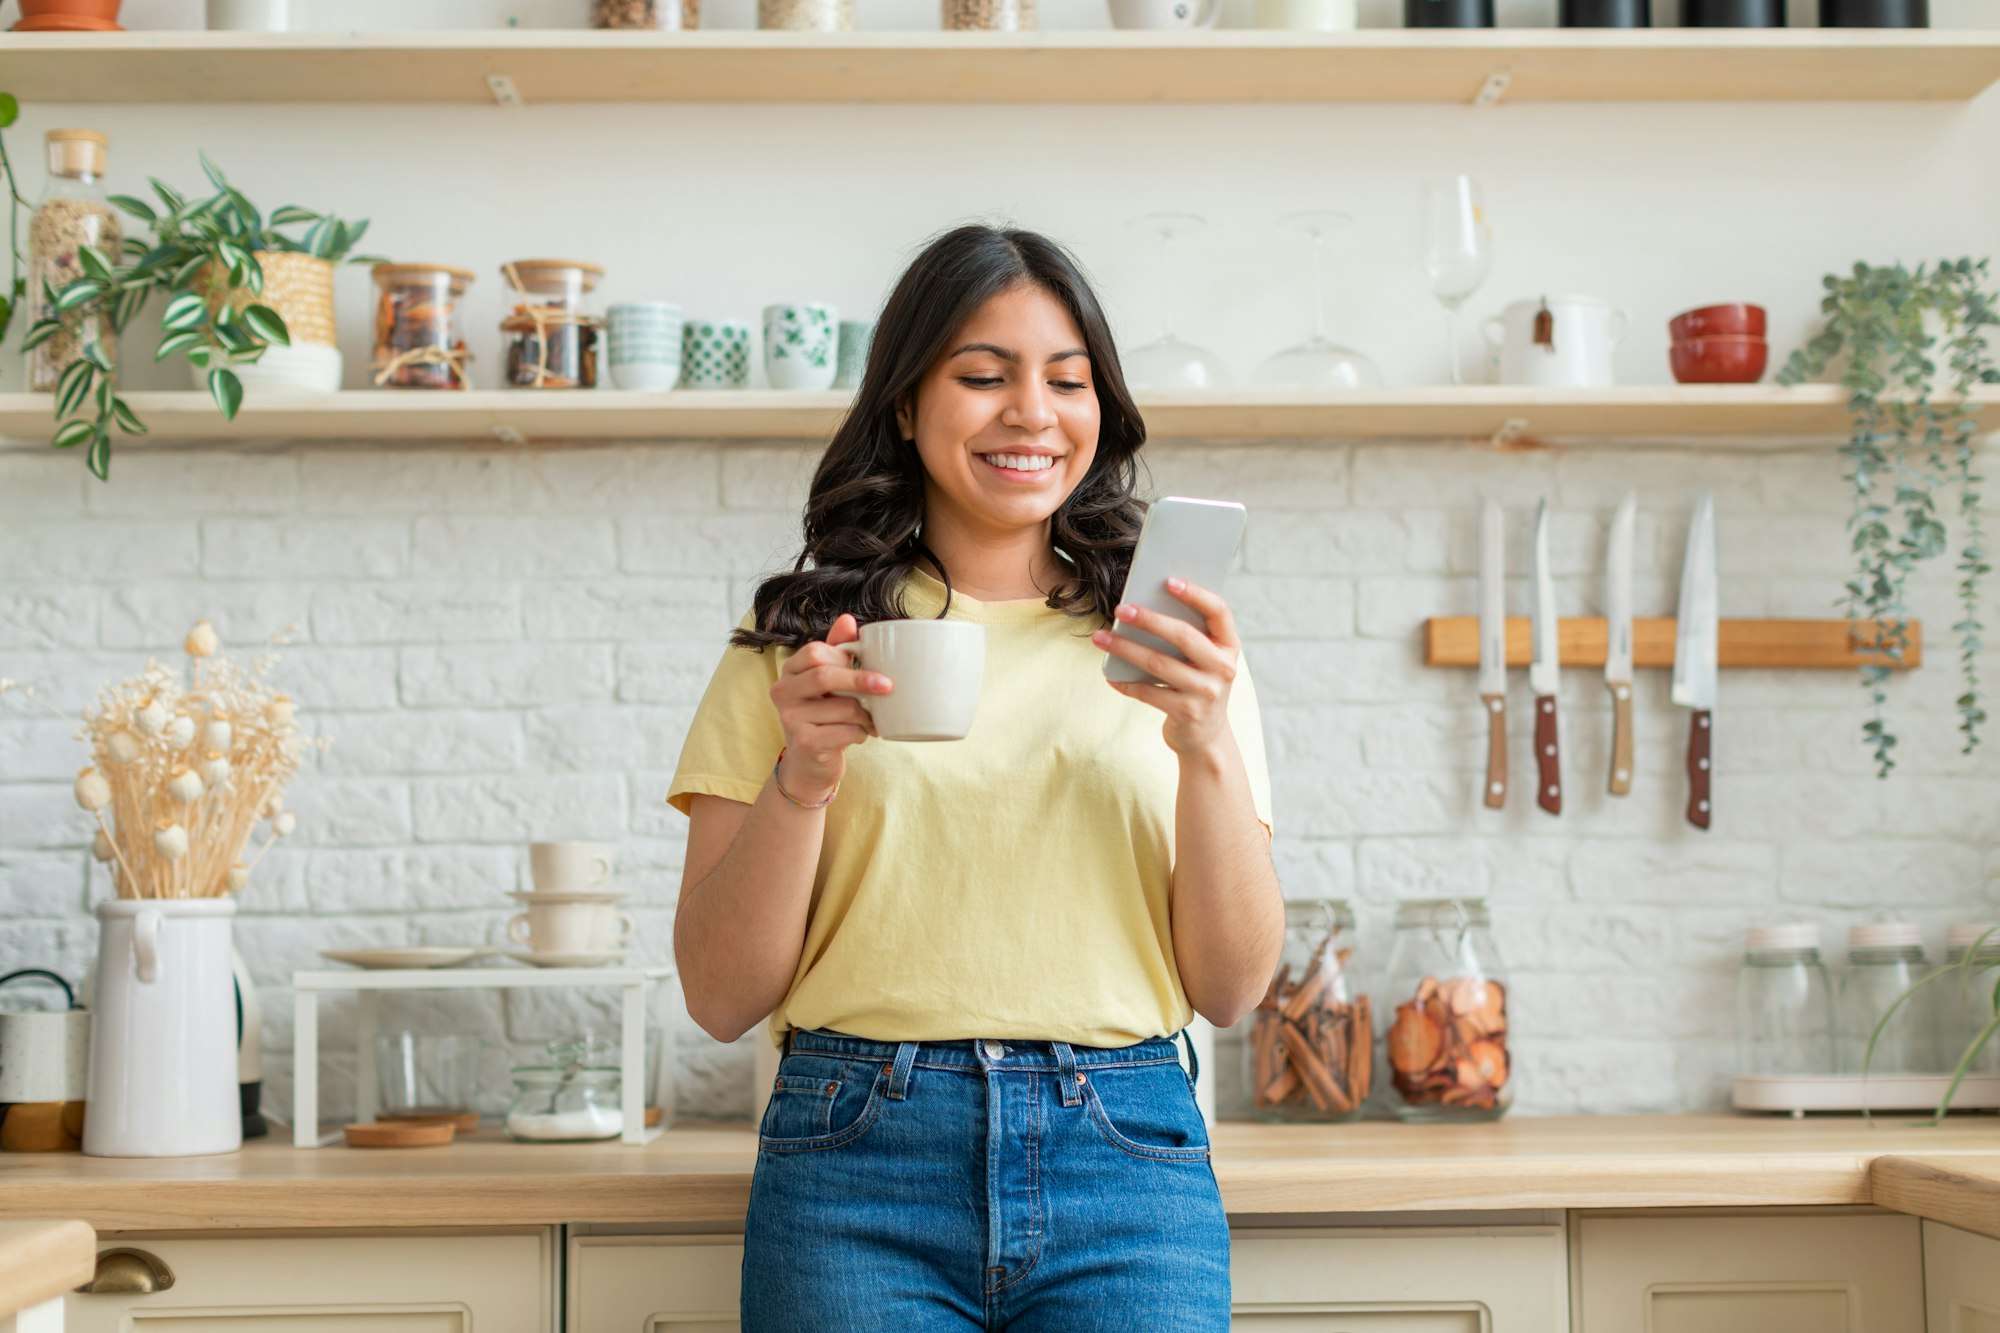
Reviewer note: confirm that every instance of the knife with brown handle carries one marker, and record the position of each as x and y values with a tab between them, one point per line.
1618	642
1545	674
1695	635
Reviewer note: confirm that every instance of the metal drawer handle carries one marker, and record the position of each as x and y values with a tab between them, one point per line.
128	1272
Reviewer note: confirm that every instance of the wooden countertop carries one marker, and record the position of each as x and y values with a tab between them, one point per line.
1958	1191
41	1259
699	1173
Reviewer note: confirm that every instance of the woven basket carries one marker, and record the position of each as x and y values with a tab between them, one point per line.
299	287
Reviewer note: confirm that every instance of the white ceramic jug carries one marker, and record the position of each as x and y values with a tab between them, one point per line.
1165	14
1583	335
163	1034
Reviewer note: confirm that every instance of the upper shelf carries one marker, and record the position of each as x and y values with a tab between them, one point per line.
1385	65
1752	415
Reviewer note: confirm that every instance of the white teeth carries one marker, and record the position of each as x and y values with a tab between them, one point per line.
1021	462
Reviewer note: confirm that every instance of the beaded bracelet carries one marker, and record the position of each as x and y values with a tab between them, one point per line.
803	805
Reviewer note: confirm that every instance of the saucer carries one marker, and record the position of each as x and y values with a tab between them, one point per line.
415	956
67	23
591	959
566	896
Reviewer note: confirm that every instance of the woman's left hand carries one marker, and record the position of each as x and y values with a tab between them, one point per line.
1195	696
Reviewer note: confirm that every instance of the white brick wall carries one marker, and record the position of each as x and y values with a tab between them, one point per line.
508	644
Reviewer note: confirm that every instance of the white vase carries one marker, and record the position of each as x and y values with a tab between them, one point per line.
247	15
163	1067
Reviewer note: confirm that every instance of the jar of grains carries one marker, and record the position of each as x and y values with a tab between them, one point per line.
71	217
1312	1044
419	330
551	339
645	13
806	15
989	15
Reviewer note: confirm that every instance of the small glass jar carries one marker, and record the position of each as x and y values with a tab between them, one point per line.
1966	1006
1884	960
1311	1049
419	330
1784	1003
806	15
989	15
565	1101
1447	1038
73	215
551	338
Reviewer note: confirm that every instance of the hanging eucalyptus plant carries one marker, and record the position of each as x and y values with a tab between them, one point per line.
1914	345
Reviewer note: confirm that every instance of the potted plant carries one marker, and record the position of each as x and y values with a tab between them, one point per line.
235	286
1912	343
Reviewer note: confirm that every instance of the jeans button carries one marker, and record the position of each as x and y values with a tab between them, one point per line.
994	1050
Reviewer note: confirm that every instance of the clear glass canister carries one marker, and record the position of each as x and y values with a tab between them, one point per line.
989	15
419	328
1884	960
1784	1003
1447	1037
551	338
806	15
1966	1007
1311	1048
565	1103
72	216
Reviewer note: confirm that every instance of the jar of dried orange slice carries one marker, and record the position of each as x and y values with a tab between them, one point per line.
1311	1045
1447	1038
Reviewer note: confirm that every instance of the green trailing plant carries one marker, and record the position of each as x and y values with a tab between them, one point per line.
1892	328
202	252
1965	969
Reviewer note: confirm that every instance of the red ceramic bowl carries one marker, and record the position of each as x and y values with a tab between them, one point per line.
1706	321
1724	359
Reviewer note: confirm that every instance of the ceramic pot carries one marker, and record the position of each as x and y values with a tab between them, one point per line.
1874	13
1606	14
1732	13
1447	13
1571	349
248	15
69	16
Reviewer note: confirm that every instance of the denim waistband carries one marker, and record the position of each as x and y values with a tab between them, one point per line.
979	1053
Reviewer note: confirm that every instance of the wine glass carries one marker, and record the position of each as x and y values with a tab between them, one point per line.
1167	362
1458	249
1318	362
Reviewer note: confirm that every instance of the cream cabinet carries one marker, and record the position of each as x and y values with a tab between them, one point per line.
307	1282
649	1283
1961	1280
1788	1273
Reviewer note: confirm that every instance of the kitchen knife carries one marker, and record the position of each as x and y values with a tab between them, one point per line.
1618	642
1493	650
1695	635
1544	673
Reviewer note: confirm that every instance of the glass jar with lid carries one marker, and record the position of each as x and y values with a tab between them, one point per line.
419	328
806	15
568	1099
1448	1036
1884	960
1311	1049
989	15
551	337
1784	1003
73	215
1965	1008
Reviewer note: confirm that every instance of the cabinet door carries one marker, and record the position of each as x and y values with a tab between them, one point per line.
388	1283
1787	1274
1961	1280
654	1284
1400	1280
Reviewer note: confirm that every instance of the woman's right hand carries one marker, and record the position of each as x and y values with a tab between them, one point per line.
819	725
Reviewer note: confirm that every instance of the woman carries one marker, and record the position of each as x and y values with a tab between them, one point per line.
975	951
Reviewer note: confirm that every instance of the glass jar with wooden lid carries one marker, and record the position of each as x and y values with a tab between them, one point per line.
72	215
419	327
551	337
1311	1049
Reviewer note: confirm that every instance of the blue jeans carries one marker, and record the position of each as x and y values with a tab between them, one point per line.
1021	1185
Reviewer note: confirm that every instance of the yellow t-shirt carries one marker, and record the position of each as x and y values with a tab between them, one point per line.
1011	884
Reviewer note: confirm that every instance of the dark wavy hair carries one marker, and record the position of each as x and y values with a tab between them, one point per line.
866	502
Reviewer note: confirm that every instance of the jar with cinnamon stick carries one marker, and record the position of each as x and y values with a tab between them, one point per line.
1447	1031
419	329
1310	1052
551	338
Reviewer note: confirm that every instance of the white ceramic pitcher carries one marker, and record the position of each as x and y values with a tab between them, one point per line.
163	1071
1583	335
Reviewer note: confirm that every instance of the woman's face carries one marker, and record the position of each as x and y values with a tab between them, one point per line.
1013	388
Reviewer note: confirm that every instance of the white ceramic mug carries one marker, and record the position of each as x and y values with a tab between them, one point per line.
1579	354
569	867
936	667
570	923
44	1056
248	15
1307	15
1168	14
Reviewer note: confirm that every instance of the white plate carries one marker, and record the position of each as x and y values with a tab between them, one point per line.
417	956
567	959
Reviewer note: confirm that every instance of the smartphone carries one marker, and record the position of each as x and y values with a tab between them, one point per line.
1180	538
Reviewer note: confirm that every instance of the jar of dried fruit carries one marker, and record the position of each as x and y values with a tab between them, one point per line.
806	15
989	15
1447	1037
551	338
73	215
419	329
1311	1047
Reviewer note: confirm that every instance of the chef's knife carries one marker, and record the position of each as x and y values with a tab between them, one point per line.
1493	650
1618	642
1695	634
1544	673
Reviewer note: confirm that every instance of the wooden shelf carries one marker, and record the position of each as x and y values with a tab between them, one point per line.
1453	641
1386	65
1748	416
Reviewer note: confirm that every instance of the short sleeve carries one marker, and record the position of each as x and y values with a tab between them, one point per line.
1247	722
735	736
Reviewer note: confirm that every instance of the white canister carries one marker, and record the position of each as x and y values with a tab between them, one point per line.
1165	14
1573	349
247	15
44	1057
163	1071
1307	15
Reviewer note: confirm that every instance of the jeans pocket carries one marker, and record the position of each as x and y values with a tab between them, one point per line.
818	1102
1147	1111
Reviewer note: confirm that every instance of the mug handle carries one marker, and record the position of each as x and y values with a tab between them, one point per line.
519	919
600	869
146	945
1618	324
852	651
624	930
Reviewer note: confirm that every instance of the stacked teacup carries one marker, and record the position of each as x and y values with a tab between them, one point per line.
572	917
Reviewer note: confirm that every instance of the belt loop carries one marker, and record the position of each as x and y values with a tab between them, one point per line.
899	1073
1194	1061
786	1049
1068	1080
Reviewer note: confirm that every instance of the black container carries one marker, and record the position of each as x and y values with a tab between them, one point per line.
1874	13
1606	13
1447	13
1733	13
